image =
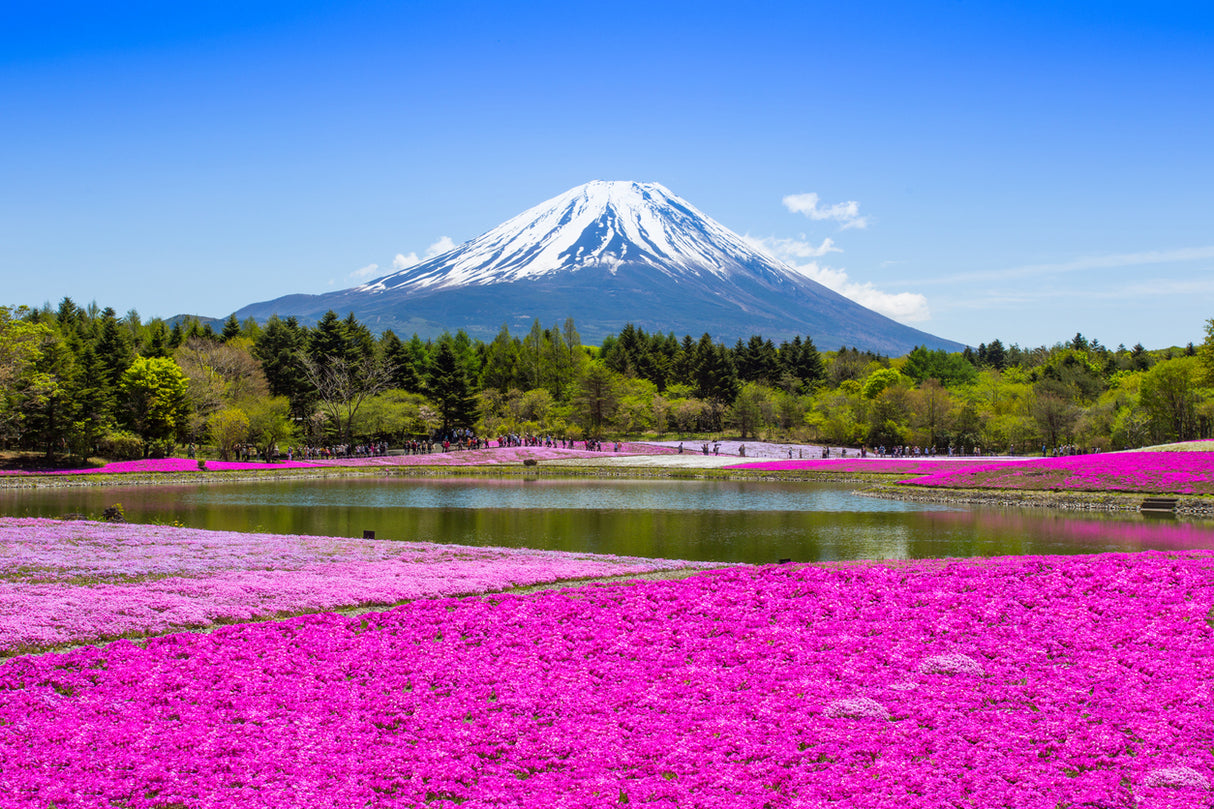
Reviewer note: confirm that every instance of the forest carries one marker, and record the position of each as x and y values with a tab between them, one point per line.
81	382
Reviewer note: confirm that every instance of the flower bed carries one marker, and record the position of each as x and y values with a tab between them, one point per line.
1145	472
494	456
73	582
1016	682
489	456
174	465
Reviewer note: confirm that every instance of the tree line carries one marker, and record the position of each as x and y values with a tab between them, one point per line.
83	381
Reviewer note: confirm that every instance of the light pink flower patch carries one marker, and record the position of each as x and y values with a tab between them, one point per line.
955	663
72	582
1176	778
857	708
489	456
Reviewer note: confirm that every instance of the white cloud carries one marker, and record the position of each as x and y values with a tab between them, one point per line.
439	247
406	260
402	261
365	272
845	213
785	249
906	307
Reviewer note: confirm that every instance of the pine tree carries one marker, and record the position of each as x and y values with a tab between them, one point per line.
449	389
231	329
404	373
280	348
113	349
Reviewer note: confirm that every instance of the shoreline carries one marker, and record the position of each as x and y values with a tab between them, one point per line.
1061	501
881	485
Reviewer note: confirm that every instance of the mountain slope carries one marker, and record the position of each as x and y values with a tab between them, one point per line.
606	254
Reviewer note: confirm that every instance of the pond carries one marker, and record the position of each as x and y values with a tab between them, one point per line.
727	521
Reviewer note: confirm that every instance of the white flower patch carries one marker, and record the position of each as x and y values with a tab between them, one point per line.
857	708
950	664
1176	777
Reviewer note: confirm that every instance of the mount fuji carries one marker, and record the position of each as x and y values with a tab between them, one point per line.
607	254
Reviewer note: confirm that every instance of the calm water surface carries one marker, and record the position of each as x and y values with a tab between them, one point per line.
729	521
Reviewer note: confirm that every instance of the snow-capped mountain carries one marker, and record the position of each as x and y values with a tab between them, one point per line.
607	254
596	225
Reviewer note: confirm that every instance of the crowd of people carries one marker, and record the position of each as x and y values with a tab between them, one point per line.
590	444
325	453
923	452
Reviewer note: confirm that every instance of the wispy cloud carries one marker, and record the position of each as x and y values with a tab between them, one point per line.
1044	294
799	248
906	307
406	260
1082	264
845	213
363	273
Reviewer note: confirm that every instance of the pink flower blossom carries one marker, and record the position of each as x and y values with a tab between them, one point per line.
710	691
1144	472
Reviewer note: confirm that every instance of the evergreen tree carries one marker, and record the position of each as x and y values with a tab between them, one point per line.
403	371
360	345
157	340
996	357
280	348
716	377
49	404
808	366
418	354
113	348
757	361
449	389
328	340
231	329
683	371
93	404
531	357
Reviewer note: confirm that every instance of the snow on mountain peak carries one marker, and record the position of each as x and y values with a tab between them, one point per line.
601	224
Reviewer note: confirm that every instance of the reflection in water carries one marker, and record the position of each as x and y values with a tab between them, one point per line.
729	521
1126	532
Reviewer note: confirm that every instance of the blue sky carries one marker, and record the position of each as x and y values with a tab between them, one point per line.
1014	170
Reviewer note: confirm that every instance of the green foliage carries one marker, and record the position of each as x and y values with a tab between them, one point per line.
281	349
1205	354
947	369
120	445
879	380
396	415
270	424
597	399
64	386
229	428
153	401
449	389
752	410
1171	396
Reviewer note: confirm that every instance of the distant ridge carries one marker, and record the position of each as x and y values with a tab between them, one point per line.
607	254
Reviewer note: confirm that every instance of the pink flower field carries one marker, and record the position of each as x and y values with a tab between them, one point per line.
1144	472
75	582
1015	682
491	456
